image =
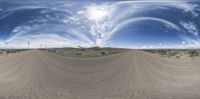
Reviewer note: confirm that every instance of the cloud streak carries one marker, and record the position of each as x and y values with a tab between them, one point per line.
190	27
65	24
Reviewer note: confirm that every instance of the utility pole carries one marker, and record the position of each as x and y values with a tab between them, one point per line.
6	47
28	44
46	46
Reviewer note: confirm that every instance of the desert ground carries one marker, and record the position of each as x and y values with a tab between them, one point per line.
130	74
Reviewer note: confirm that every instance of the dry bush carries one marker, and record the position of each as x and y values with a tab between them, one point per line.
193	53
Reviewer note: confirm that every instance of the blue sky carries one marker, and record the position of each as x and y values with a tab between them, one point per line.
127	24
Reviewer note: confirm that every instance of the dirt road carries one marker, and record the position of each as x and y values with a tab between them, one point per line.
129	75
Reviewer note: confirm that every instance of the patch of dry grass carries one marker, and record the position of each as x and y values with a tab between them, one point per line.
175	52
86	52
10	51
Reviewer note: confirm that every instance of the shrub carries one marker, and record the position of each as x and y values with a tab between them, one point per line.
193	53
163	52
7	51
103	53
53	51
170	54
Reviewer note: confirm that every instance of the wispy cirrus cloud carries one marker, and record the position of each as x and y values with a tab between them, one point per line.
165	22
190	27
64	24
128	14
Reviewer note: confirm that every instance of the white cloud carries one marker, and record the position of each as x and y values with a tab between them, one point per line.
190	27
191	41
183	42
111	21
47	34
124	23
51	40
143	5
81	36
104	30
180	4
127	8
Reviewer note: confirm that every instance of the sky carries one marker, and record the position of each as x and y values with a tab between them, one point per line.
103	23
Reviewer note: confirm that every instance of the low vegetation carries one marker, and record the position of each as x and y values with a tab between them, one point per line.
86	52
10	51
177	53
194	53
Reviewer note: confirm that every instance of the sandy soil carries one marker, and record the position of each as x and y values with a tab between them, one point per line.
129	75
